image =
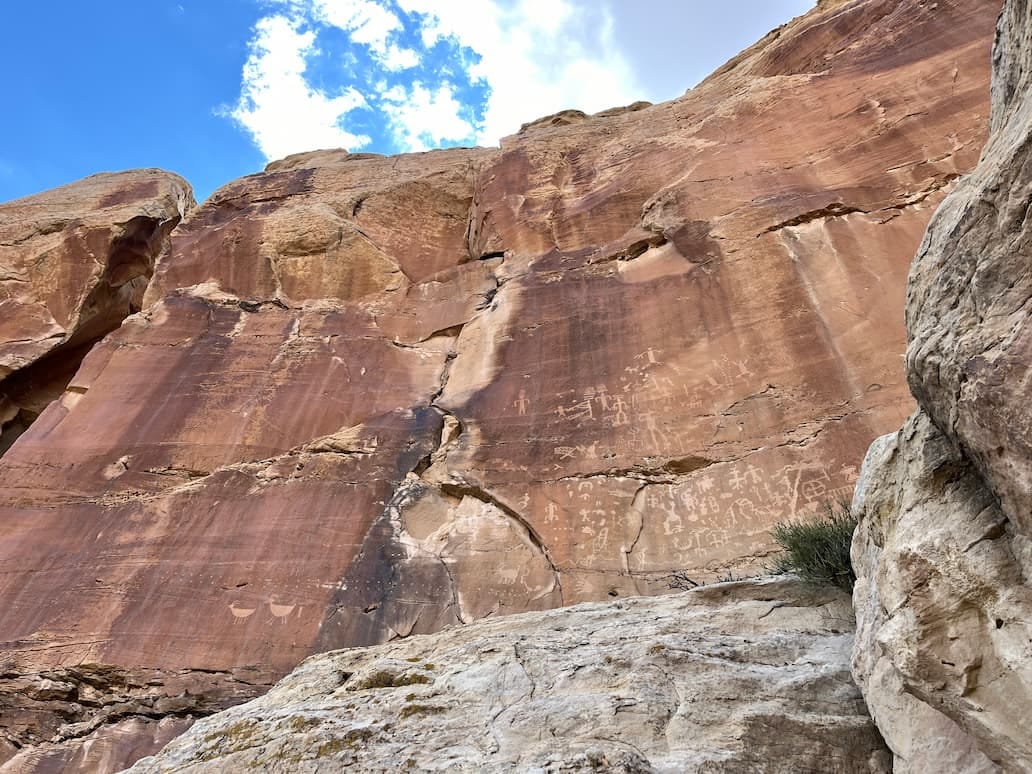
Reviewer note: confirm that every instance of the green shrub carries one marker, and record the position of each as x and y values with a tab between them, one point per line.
817	550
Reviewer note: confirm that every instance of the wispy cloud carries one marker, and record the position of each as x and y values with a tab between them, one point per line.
402	75
538	56
422	118
278	107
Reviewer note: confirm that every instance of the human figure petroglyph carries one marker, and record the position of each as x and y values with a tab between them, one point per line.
620	418
728	372
521	403
740	477
551	513
688	504
718	538
642	560
651	427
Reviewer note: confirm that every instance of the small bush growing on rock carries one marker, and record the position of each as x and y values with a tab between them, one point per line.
817	550
387	679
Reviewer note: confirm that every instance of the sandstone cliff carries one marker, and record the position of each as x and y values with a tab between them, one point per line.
369	397
74	263
943	553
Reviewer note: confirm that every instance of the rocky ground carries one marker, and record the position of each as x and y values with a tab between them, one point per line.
743	676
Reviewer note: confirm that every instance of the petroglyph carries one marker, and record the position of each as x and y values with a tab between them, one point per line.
240	613
281	612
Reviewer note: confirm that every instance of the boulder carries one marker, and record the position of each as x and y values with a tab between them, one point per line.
747	676
74	263
943	552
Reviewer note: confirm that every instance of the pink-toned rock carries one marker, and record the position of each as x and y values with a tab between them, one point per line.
74	262
368	397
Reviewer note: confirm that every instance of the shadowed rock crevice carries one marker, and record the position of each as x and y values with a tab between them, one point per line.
75	717
840	210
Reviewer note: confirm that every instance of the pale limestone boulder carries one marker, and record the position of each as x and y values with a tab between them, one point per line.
942	553
968	323
941	651
745	676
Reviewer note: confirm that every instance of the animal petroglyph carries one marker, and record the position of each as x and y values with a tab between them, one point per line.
240	613
282	612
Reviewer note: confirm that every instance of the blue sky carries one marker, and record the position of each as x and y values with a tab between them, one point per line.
213	89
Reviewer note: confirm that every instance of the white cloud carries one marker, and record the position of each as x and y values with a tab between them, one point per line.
531	57
396	58
421	118
369	23
278	107
538	56
535	57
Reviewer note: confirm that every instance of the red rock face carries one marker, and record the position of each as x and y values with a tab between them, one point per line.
74	262
368	397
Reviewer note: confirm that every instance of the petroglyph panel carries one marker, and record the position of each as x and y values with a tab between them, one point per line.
585	522
719	515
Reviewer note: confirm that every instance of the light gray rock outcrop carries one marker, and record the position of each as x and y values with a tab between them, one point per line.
744	676
943	553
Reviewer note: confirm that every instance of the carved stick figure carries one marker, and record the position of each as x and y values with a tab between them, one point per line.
522	402
621	414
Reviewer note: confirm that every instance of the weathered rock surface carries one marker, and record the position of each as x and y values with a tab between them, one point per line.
93	718
368	397
74	263
747	676
943	553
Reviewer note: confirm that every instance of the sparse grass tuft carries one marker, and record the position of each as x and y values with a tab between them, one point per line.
419	709
386	679
817	550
